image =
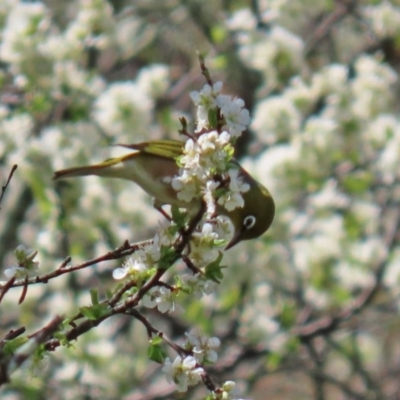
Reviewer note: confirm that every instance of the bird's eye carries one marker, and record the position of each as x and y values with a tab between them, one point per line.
249	221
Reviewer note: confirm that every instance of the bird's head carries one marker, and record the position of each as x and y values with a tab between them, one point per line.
257	214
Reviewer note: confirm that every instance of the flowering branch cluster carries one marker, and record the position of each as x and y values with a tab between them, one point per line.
204	168
328	144
207	175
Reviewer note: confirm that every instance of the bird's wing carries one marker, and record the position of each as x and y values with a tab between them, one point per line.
170	149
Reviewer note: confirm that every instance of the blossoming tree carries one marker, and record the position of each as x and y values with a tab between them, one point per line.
116	301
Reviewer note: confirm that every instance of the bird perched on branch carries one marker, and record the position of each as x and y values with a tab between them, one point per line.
153	165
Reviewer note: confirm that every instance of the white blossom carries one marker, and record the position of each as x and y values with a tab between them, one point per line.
237	118
183	372
198	285
201	160
372	89
278	50
329	197
15	131
209	196
25	27
205	100
92	25
228	392
330	80
203	348
121	106
202	246
68	74
384	18
223	227
276	119
233	198
154	80
26	267
140	262
161	297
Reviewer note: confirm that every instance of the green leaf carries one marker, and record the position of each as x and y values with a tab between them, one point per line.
94	294
213	118
293	344
230	150
322	276
39	103
94	312
213	270
287	317
178	216
63	339
358	183
340	295
12	345
155	340
156	353
218	33
352	225
167	258
274	360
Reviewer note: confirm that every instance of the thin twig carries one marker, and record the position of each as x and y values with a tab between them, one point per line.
4	188
123	251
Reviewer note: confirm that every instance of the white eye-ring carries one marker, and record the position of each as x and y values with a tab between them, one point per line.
249	221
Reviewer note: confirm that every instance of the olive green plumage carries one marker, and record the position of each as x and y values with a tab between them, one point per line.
152	166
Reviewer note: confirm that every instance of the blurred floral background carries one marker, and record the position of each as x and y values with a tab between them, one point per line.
308	311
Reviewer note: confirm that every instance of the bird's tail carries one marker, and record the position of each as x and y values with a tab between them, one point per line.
102	169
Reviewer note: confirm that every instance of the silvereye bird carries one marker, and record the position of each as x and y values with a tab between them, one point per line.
154	164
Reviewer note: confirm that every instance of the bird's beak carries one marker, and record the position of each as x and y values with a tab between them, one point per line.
235	239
